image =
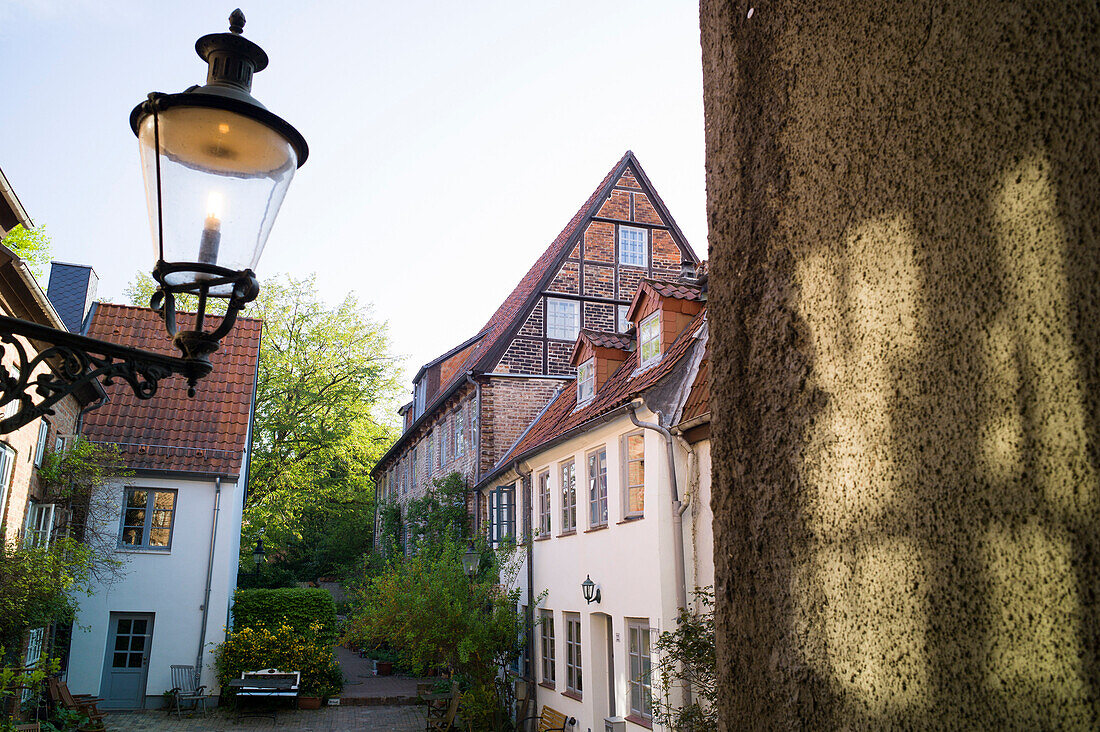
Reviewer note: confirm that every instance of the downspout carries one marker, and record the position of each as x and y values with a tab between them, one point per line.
677	521
209	579
529	619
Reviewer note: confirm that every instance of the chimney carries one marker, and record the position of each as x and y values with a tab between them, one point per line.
687	270
72	291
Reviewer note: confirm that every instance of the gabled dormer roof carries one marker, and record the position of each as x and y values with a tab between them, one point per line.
664	289
599	339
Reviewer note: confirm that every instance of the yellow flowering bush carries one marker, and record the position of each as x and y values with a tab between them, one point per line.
306	651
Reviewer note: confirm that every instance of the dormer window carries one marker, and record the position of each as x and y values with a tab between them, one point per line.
649	339
586	381
421	396
632	246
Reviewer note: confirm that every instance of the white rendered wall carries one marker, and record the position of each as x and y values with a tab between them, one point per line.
632	562
168	584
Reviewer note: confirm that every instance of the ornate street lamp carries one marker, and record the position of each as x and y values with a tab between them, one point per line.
258	554
590	591
217	165
471	560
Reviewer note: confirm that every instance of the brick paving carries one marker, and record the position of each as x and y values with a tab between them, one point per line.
402	718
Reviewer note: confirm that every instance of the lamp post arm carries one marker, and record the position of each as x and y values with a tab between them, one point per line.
76	361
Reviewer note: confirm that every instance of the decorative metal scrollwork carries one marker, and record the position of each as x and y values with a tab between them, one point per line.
73	362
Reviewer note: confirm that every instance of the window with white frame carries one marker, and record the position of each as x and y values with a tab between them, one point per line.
460	431
586	381
546	643
502	509
569	496
444	447
13	406
634	483
597	488
148	518
39	525
544	503
35	641
420	397
641	686
573	653
563	319
414	479
7	462
632	246
622	323
40	447
649	339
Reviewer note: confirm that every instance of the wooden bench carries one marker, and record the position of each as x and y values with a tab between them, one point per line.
268	683
551	720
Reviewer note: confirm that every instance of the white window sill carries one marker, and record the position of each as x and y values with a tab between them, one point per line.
142	550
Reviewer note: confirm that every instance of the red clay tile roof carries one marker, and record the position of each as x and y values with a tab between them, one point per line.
678	290
204	434
698	402
608	340
562	415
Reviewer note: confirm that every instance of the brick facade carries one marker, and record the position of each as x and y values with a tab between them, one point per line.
514	359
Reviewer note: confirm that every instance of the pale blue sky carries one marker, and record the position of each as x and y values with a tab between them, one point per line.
449	141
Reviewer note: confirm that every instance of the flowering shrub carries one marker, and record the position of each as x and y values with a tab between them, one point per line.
306	651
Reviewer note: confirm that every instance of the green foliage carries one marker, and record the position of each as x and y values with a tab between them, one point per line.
440	515
270	577
298	607
39	585
14	679
324	373
687	656
389	526
308	651
67	720
32	246
141	288
434	617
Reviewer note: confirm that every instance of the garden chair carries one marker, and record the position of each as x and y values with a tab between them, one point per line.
83	703
183	689
441	716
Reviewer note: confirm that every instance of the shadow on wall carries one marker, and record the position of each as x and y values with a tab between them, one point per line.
906	297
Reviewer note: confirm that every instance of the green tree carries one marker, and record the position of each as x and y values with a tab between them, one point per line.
688	659
32	246
325	372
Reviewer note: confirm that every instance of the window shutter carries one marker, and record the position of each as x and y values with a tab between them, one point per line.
510	521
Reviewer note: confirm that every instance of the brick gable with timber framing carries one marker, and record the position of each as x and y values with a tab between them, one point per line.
498	381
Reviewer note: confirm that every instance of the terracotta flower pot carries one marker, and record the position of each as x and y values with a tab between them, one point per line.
309	702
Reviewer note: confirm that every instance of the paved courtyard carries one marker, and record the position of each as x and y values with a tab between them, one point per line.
402	718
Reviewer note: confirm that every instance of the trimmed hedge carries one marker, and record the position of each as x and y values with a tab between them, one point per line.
298	607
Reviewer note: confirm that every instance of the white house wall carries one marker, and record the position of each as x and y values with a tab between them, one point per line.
168	584
631	561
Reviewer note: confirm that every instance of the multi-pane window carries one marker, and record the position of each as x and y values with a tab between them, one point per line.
414	479
563	318
569	496
573	653
7	462
635	474
597	488
544	503
443	446
502	508
649	338
632	246
641	686
40	447
546	643
460	431
586	381
420	397
39	524
622	322
147	518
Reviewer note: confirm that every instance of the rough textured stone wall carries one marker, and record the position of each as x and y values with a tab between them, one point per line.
903	210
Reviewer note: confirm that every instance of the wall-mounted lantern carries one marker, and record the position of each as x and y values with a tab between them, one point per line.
591	592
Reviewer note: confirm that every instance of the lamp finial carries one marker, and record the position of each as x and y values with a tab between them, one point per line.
236	22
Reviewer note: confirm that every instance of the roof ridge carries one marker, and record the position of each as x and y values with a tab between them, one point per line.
145	308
